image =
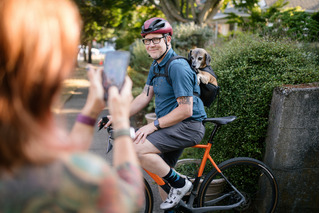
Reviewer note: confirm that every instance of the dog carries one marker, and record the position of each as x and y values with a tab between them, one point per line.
200	61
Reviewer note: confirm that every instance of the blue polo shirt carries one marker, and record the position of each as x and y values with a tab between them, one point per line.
184	83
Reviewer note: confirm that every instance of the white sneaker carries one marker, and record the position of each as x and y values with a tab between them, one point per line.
175	195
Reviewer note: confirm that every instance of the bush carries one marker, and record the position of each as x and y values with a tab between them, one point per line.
140	63
248	69
294	24
187	36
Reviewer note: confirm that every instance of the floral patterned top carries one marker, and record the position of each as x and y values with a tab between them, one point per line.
81	183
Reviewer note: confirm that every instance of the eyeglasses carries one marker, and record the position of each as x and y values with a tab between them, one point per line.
147	41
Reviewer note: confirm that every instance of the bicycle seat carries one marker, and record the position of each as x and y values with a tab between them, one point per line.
220	121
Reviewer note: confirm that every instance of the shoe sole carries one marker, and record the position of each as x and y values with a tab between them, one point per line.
179	200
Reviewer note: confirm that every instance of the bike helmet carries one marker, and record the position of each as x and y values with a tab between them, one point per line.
156	25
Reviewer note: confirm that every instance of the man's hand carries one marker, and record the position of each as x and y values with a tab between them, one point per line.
143	132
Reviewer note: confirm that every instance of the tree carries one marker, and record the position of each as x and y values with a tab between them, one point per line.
258	17
101	18
130	27
184	11
294	24
275	21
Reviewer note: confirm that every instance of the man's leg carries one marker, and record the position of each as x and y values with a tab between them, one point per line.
150	160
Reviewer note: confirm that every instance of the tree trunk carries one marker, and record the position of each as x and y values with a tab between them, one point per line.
207	8
89	52
174	10
84	53
214	10
77	61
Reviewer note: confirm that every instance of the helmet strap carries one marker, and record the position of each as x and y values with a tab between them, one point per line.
167	47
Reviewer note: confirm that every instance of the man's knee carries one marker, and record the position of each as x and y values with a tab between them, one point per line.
140	153
145	150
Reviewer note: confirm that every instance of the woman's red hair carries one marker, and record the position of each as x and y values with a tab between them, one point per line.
38	48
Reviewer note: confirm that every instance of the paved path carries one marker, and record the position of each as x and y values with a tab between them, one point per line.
72	108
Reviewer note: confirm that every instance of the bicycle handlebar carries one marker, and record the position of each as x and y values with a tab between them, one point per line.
217	121
104	121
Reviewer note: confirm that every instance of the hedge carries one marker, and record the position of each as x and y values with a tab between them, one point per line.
248	69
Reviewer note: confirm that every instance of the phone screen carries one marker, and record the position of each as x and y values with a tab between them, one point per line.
115	69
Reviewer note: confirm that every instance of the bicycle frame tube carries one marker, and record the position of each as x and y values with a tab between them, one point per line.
188	206
156	178
159	181
205	157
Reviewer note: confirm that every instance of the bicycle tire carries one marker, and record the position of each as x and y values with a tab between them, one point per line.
258	186
148	208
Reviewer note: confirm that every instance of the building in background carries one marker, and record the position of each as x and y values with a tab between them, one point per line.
221	27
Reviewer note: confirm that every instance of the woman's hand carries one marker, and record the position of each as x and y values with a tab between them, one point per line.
119	104
95	102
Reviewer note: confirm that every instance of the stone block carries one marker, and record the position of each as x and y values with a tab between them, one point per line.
292	147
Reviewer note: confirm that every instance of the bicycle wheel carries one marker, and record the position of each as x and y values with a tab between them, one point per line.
251	177
148	207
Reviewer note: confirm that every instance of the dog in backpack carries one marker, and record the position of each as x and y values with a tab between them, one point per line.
200	62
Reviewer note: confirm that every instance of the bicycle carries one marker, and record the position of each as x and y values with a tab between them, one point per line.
247	184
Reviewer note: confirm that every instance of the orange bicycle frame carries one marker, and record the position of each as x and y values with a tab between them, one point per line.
205	157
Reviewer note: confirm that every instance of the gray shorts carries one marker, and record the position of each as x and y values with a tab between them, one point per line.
172	140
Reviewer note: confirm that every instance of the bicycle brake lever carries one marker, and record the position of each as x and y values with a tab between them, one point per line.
104	121
109	147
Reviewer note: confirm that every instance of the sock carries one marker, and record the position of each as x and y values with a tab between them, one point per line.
175	180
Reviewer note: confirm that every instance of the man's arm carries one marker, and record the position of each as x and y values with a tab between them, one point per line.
142	100
183	111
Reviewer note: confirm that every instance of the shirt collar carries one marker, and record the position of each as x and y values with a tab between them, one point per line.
166	58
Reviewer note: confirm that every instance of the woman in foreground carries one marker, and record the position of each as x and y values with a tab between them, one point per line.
42	167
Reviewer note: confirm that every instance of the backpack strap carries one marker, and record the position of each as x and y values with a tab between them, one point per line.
208	69
155	75
166	72
166	68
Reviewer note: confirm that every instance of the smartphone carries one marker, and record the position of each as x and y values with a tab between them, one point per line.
115	69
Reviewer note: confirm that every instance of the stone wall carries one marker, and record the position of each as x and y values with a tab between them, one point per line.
292	147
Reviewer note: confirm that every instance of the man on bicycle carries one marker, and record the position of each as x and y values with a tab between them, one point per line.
179	112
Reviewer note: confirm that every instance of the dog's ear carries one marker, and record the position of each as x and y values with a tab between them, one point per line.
208	59
189	55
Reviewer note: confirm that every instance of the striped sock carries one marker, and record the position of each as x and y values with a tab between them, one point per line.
174	179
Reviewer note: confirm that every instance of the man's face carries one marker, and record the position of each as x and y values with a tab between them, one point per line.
156	50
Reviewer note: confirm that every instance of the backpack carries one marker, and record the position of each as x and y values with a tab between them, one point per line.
208	92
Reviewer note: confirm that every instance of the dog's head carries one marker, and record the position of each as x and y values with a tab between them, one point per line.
199	58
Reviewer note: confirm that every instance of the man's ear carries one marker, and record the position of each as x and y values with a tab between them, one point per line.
208	59
168	37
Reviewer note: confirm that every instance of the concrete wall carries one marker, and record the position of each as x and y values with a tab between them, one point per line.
292	147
